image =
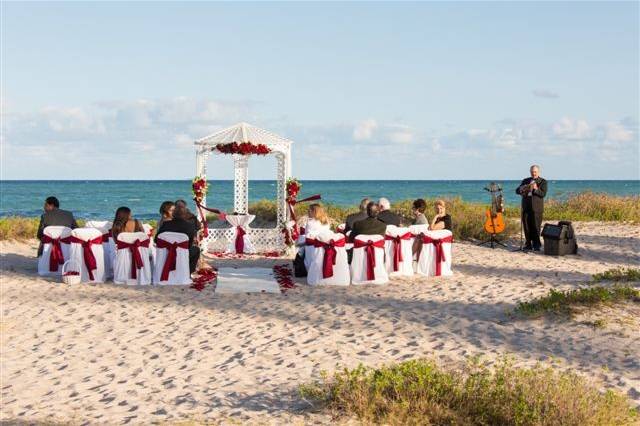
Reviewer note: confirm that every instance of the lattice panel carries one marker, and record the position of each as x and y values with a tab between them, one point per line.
264	240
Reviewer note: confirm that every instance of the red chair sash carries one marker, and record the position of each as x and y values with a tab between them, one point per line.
370	247
437	244
89	258
310	242
56	257
106	236
240	233
330	255
172	255
397	248
136	257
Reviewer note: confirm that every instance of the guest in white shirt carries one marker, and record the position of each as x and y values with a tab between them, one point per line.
317	221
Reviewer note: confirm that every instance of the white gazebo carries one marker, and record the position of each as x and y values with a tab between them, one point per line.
264	239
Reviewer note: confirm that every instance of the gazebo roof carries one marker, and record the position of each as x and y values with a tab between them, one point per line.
244	132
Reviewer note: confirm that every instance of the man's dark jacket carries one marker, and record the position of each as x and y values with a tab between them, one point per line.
368	226
389	217
536	201
178	225
353	218
55	217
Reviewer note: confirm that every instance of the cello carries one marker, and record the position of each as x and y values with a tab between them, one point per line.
494	224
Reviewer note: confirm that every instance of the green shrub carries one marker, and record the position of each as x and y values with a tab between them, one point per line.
618	274
563	302
421	392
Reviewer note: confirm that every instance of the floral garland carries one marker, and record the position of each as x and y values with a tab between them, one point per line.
283	275
199	188
243	148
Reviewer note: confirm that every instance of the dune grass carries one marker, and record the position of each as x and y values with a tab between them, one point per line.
564	302
618	274
594	206
421	392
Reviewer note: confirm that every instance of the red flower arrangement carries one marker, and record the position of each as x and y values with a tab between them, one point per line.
283	275
204	277
199	188
293	188
243	148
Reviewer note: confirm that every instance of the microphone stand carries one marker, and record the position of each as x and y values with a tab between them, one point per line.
521	248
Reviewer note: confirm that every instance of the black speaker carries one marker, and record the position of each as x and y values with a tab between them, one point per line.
559	239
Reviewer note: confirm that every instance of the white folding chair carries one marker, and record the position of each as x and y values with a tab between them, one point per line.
397	247
132	265
172	259
86	250
108	245
148	229
55	250
367	264
434	253
329	264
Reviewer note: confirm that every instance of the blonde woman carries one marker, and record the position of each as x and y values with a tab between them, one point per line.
318	220
441	220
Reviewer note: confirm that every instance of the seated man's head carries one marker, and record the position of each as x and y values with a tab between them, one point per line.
372	209
384	204
419	206
51	203
363	204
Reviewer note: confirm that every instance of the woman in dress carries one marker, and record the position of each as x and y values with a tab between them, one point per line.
318	220
123	222
441	220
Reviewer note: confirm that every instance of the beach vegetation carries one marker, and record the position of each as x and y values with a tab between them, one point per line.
564	302
421	392
618	274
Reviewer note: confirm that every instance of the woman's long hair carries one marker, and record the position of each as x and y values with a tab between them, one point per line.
123	215
317	212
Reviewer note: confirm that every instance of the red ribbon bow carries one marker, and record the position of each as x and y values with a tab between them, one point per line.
136	257
106	236
330	255
172	255
437	244
240	233
370	247
203	218
89	258
56	256
397	248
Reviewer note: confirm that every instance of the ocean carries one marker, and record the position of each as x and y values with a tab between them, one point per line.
99	198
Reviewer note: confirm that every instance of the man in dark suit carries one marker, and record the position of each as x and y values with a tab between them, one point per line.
54	216
182	224
369	226
355	217
386	215
533	190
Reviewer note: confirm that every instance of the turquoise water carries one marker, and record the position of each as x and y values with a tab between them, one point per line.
99	199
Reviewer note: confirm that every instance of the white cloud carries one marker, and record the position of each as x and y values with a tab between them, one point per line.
571	129
545	93
364	130
400	134
617	132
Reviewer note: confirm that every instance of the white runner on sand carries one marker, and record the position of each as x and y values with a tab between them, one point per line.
246	280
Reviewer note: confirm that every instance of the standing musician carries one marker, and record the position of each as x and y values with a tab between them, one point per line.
532	189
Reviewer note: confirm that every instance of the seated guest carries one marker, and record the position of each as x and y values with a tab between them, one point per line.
441	220
419	207
123	222
190	217
317	221
166	212
54	216
354	217
369	226
182	224
387	216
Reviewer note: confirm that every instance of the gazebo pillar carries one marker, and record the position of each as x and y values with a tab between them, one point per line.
201	168
241	184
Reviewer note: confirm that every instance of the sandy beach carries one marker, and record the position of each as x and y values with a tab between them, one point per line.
108	354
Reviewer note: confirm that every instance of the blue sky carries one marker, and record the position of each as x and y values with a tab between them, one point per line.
365	90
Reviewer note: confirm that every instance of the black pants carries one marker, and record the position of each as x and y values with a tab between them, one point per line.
531	222
194	255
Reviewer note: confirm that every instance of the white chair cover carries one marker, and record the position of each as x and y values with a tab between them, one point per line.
181	275
53	232
359	263
340	269
76	254
405	266
124	262
109	246
310	250
416	230
426	263
148	229
242	220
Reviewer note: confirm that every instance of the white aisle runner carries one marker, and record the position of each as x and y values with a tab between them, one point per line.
246	280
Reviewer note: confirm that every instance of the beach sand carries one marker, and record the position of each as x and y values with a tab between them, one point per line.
113	354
